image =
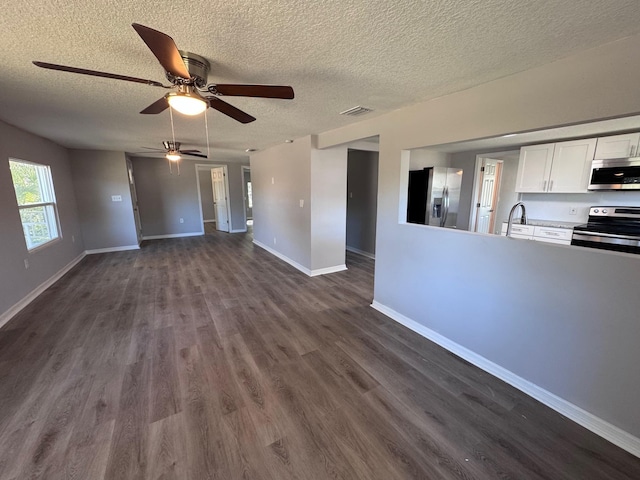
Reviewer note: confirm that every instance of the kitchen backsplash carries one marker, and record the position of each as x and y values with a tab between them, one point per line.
557	206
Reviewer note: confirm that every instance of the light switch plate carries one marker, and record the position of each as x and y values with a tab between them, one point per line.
116	198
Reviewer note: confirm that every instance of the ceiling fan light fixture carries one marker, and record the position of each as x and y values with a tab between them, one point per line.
187	102
173	156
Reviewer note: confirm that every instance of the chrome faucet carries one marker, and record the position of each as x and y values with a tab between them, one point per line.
523	217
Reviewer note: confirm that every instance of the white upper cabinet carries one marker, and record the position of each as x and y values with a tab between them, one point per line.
571	166
618	146
556	167
534	168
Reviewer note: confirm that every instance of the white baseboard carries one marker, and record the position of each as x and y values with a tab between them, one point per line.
30	297
361	252
113	249
238	230
293	263
172	235
284	258
210	221
324	271
595	424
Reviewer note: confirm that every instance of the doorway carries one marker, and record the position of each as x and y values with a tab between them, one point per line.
220	198
134	200
492	190
213	192
247	195
362	201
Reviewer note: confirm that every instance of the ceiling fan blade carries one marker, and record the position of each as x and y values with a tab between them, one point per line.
199	155
263	91
165	50
230	110
158	106
190	151
95	73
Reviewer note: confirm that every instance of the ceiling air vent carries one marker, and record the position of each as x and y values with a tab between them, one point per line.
356	111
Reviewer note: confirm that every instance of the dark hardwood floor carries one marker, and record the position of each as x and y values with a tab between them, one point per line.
207	357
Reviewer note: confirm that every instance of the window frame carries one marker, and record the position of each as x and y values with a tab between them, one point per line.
47	192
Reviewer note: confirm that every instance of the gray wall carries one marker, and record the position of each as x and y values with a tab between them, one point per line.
281	177
164	198
16	282
97	176
362	197
206	194
528	307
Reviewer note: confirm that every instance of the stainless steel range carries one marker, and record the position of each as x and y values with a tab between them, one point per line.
610	228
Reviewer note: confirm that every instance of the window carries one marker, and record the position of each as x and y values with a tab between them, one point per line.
36	201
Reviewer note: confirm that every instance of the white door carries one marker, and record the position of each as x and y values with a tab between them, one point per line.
220	198
134	201
488	196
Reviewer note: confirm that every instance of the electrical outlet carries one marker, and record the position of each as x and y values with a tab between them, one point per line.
73	239
573	211
301	203
116	198
182	220
273	180
26	264
274	240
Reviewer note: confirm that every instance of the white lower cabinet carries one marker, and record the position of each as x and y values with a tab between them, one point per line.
519	231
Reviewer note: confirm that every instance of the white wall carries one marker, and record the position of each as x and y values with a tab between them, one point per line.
97	175
328	208
16	282
562	318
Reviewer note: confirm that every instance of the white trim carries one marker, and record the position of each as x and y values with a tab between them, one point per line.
172	235
361	252
209	221
326	270
113	249
244	169
284	258
595	424
239	230
30	297
293	263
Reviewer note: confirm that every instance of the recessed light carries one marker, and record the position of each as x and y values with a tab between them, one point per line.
288	141
249	150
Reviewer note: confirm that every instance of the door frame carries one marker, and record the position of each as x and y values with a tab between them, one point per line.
134	200
243	170
477	182
208	167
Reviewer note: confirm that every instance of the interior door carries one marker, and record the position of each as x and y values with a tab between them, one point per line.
220	198
488	195
134	201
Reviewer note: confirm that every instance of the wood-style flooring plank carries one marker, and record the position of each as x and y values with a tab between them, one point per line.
209	358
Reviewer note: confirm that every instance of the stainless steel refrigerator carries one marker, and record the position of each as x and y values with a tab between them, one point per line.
434	196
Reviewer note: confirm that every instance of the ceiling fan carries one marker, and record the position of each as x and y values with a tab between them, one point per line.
188	74
173	151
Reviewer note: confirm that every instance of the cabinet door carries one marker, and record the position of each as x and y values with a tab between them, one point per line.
534	168
617	146
571	166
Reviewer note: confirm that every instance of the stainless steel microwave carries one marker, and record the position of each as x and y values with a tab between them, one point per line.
615	174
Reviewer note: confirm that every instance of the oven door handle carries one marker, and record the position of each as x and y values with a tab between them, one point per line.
606	238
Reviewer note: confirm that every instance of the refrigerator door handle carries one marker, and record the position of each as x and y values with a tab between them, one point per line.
445	206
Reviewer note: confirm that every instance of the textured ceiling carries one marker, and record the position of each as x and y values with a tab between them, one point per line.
335	53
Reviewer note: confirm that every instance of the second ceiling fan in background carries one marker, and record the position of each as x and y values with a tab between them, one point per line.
188	74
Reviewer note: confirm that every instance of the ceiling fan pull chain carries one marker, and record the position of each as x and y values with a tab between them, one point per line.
173	133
